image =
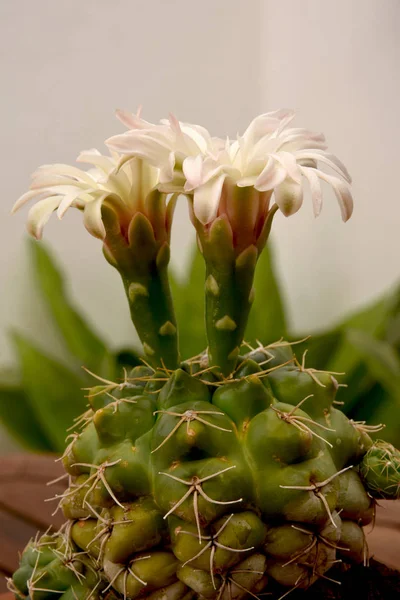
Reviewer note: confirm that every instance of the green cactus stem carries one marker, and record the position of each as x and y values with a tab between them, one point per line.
142	262
229	295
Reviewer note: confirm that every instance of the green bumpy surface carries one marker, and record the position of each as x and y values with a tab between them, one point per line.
186	486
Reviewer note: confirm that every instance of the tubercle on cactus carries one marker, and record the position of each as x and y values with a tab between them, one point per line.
185	484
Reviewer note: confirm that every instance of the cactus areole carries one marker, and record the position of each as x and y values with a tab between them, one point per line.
223	475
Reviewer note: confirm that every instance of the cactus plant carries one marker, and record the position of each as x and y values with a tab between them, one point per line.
212	476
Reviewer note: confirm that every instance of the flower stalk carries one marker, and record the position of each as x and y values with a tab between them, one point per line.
142	262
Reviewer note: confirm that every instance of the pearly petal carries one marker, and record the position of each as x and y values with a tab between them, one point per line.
266	123
288	162
143	145
199	135
131	120
42	180
325	157
92	218
93	157
342	192
40	213
289	197
272	175
206	199
193	170
61	169
69	199
247	181
315	188
26	197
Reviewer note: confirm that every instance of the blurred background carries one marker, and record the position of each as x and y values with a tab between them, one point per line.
66	66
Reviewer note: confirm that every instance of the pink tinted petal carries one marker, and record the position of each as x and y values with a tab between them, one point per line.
66	170
193	171
325	157
174	123
206	199
26	197
272	175
342	192
315	188
93	157
40	213
92	218
289	197
68	200
247	181
132	121
289	163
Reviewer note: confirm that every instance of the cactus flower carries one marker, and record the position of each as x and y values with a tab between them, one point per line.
122	206
269	157
234	189
124	188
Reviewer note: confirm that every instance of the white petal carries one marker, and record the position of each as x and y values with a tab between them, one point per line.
92	217
174	123
143	145
69	199
132	121
289	163
304	133
61	169
93	157
26	197
289	197
315	188
206	199
193	170
272	175
40	213
325	157
247	181
198	134
342	192
43	180
267	123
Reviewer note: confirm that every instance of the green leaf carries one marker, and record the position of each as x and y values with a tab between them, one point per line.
127	359
54	393
320	347
189	306
17	416
267	321
81	341
381	359
371	320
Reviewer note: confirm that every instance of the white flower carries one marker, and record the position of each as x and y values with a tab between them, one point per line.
165	145
269	156
58	187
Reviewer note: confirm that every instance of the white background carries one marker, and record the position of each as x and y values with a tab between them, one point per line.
67	65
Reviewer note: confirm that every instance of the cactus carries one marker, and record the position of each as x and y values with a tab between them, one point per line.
232	470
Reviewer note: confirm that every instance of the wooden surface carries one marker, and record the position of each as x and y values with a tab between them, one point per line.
23	511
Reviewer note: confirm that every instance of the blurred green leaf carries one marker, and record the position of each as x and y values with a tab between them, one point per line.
127	359
189	306
320	347
381	359
267	321
53	392
17	416
371	320
84	345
